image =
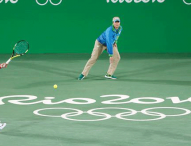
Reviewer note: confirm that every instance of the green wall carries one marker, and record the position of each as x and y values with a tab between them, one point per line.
73	26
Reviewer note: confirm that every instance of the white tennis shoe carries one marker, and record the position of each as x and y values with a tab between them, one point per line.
2	125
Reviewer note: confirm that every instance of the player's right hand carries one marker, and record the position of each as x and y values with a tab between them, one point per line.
3	65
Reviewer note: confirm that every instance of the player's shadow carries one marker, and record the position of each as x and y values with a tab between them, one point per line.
61	71
155	69
164	82
66	75
151	71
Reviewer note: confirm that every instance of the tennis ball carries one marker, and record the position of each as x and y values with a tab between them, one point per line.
55	86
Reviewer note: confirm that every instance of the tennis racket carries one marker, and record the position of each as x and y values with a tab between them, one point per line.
20	49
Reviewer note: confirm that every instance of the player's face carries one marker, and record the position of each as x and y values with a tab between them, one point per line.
116	24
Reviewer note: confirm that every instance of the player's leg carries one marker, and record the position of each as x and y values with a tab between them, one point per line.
98	49
113	65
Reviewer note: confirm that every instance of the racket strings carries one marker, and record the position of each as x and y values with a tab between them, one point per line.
21	48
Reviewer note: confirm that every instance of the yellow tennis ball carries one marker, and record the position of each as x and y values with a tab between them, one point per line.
55	86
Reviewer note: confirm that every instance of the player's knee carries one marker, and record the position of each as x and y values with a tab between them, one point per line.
118	58
93	59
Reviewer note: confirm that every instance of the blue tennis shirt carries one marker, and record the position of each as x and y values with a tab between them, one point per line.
109	37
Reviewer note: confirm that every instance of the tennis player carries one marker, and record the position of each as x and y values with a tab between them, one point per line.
3	65
2	125
106	41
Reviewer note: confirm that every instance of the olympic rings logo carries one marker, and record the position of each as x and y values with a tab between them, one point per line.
105	116
42	4
186	2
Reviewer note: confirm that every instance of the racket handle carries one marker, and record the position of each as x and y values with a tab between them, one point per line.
8	61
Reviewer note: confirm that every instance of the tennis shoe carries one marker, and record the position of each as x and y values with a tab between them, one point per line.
108	76
81	77
2	125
